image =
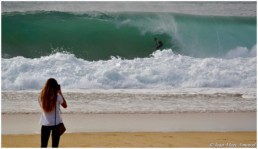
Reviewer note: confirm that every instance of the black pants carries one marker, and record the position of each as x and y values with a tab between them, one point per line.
45	133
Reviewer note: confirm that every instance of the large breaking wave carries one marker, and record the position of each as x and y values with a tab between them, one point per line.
98	36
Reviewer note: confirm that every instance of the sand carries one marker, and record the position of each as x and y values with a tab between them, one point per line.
178	122
137	130
140	139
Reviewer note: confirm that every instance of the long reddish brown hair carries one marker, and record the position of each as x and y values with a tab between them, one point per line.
49	95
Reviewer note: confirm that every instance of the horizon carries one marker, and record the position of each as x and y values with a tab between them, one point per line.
193	7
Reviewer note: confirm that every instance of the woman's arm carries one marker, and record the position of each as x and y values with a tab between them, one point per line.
64	104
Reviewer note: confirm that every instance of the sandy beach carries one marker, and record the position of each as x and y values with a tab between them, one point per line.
140	139
137	130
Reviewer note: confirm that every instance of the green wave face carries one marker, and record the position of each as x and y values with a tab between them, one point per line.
98	36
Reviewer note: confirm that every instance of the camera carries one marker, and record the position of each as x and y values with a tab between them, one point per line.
58	87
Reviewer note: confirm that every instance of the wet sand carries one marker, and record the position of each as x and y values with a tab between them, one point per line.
177	122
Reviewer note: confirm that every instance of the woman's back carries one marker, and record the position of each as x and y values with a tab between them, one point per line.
52	118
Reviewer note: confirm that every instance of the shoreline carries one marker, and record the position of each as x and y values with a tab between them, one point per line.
139	101
181	122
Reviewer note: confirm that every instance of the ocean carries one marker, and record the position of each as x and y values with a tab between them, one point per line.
106	61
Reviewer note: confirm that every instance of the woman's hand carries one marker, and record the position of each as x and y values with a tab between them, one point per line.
64	103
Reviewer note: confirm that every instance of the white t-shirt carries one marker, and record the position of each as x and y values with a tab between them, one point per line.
52	118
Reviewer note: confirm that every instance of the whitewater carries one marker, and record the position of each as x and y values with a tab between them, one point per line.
162	70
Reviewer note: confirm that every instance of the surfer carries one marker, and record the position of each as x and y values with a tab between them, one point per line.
159	43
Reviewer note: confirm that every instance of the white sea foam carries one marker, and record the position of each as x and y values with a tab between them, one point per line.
242	52
162	70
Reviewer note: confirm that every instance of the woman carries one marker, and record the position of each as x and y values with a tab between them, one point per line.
50	101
